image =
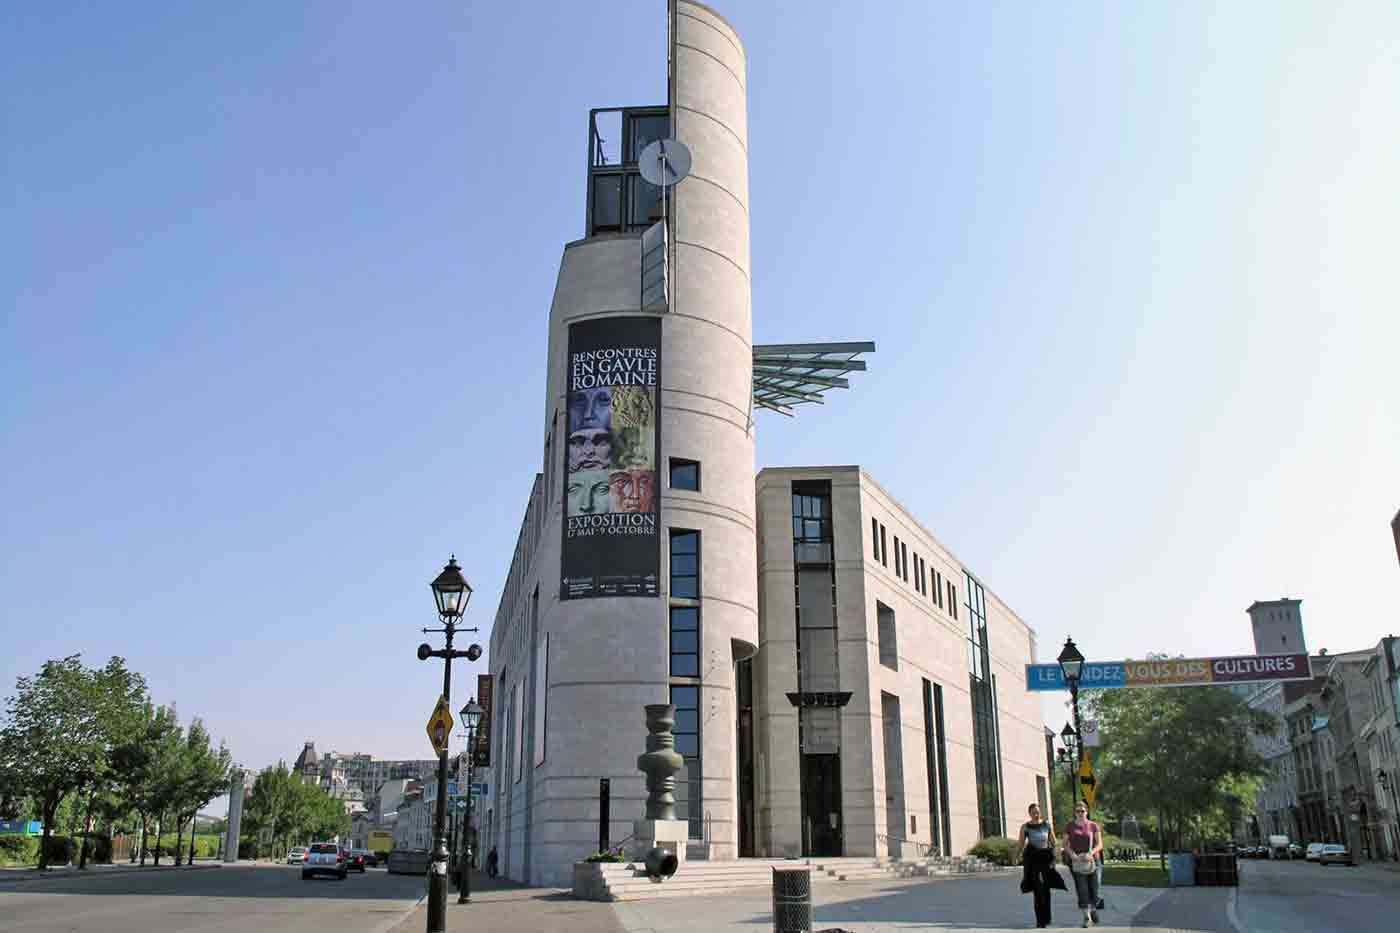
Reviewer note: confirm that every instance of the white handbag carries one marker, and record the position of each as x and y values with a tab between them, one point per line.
1082	864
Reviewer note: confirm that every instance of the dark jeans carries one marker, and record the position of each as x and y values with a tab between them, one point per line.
1039	869
1087	887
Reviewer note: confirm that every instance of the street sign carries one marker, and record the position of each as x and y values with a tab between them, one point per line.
1091	733
478	789
1174	672
440	725
1088	784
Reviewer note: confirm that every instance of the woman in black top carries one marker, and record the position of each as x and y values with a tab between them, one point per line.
1037	857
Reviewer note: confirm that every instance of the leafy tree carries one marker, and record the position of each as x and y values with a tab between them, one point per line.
271	805
1182	753
61	726
203	774
141	765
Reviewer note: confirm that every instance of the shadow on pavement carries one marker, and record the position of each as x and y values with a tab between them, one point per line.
261	882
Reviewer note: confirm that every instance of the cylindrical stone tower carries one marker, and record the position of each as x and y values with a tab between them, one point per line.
708	408
607	656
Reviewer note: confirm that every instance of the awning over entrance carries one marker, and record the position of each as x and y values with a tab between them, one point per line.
786	375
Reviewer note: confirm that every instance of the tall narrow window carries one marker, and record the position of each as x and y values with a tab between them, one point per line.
685	641
875	536
904	561
884	551
685	564
689	804
897	572
886	636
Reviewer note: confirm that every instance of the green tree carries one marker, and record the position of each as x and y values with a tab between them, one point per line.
203	774
141	765
61	726
1183	754
271	805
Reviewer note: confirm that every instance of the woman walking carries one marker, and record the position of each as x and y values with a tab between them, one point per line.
1084	843
1037	858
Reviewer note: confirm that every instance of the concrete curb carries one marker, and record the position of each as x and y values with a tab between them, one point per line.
32	874
392	924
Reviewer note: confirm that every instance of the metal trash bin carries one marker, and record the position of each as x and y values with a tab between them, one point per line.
1182	870
792	900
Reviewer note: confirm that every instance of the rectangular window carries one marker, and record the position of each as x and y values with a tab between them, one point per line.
896	556
952	599
685	641
685	474
689	803
885	634
541	696
904	561
875	536
685	564
884	551
607	203
517	701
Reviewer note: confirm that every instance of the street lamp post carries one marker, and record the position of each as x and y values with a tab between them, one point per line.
471	715
1072	666
452	593
1069	755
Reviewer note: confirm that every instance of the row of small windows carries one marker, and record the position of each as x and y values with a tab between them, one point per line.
944	593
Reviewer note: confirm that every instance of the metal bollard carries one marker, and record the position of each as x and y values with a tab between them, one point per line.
792	900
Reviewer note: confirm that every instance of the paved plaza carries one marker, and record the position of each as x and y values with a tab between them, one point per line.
1276	897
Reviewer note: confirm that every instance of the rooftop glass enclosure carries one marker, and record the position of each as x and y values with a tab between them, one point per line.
619	200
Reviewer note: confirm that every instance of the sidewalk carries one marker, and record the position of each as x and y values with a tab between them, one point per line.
952	905
97	871
503	906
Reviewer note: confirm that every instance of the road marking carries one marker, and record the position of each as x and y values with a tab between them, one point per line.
1231	913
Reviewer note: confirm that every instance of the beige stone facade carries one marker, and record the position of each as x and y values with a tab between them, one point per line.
888	803
572	675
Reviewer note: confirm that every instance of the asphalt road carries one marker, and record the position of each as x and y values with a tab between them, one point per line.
1304	897
230	899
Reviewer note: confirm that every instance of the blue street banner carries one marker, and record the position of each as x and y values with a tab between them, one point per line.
1175	672
1094	675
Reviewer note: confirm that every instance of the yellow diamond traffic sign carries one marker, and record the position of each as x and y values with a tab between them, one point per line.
1088	784
440	725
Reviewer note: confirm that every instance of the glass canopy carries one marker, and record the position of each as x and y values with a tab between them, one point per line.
789	374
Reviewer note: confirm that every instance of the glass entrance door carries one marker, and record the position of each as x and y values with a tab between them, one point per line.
821	804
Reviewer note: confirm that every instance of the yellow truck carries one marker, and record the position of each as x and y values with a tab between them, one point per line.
380	841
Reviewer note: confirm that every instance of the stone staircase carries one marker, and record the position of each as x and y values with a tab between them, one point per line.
628	881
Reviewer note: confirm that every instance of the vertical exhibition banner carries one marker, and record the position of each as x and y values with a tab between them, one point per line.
612	504
481	755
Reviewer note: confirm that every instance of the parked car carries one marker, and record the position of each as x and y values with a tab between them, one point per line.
1295	850
1314	850
355	859
1340	855
325	858
297	855
368	855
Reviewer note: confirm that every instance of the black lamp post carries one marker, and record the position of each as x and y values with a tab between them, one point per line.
451	592
471	715
1071	759
1071	666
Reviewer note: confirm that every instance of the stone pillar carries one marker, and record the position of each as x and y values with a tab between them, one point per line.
235	815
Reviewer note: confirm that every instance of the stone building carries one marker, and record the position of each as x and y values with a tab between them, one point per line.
843	683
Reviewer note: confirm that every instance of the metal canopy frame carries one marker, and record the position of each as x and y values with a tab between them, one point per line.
790	374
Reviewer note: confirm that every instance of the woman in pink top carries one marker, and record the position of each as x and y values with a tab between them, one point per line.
1084	843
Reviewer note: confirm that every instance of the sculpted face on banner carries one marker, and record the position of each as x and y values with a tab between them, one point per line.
588	493
590	449
633	491
591	408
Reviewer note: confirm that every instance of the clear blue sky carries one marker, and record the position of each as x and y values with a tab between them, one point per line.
275	281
